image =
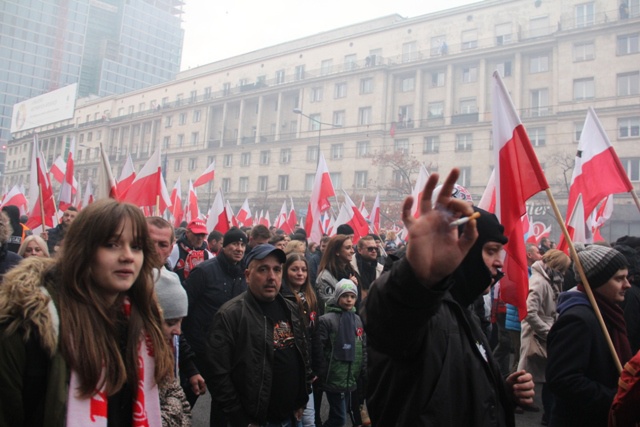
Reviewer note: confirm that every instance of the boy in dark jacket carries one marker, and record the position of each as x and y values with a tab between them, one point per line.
339	351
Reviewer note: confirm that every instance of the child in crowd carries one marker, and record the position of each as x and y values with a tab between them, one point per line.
339	351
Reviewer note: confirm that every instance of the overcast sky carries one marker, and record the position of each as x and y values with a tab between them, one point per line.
217	30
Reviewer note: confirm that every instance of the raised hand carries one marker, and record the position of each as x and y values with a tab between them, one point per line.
435	250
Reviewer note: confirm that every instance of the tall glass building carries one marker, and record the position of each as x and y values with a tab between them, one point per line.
106	46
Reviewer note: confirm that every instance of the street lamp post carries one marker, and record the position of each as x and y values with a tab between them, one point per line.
299	111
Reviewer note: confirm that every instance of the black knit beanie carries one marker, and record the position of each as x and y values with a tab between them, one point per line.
599	263
234	235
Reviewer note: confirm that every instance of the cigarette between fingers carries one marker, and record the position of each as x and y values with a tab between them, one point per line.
464	220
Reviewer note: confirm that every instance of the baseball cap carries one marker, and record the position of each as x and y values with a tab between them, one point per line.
262	251
197	226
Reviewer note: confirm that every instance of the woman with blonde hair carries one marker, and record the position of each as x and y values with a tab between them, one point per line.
295	246
80	336
33	246
545	284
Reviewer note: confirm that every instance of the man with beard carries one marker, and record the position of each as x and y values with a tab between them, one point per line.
54	236
429	362
210	285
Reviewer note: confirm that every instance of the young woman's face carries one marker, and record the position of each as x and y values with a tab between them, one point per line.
170	328
346	251
297	274
117	263
33	249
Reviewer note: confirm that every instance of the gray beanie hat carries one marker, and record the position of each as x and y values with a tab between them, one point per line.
171	295
599	263
342	287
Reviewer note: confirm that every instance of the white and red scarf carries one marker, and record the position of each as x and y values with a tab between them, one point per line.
82	412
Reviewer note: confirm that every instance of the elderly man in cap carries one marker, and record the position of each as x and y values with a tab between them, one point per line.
252	386
190	250
210	285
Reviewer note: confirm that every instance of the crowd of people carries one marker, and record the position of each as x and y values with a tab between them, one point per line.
112	318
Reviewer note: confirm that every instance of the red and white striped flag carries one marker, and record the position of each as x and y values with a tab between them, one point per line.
193	210
206	176
350	214
67	188
127	176
217	219
15	197
292	219
176	203
282	216
107	186
146	187
230	215
40	192
244	215
58	169
319	203
374	216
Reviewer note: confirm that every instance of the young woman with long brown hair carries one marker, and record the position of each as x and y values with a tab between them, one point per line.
335	265
80	337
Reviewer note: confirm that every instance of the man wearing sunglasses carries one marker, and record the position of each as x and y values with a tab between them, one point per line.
366	264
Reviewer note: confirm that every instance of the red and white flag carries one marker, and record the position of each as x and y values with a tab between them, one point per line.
206	176
576	224
87	197
40	193
127	176
107	186
418	189
165	198
193	210
244	215
176	203
217	219
282	216
58	169
488	199
600	217
265	220
363	209
328	224
292	219
597	171
518	176
146	187
374	216
350	214
67	188
15	197
230	215
319	203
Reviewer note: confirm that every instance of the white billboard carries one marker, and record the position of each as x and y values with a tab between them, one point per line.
44	109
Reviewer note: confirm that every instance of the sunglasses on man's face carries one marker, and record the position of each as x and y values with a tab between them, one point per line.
372	249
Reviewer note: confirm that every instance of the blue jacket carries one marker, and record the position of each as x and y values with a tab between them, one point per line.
512	322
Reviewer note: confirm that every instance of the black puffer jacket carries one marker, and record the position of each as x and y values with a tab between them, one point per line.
240	350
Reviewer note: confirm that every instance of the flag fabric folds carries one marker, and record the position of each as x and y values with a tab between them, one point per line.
374	216
217	219
67	188
127	176
107	186
146	187
206	176
319	202
176	203
244	215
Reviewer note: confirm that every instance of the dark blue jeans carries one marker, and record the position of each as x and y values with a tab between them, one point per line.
338	404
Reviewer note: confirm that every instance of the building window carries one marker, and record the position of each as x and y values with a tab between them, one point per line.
299	72
166	142
362	149
196	115
632	167
283	182
437	78
365	116
226	185
193	163
211	159
577	131
350	62
629	127
538	64
409	52
366	85
265	157
360	179
180	140
468	106
407	84
312	153
314	122
245	159
243	186
398	178
438	46
469	39
326	66
309	180
465	177
503	34
339	118
431	144
285	156
316	94
539	27
585	14
194	96
280	77
194	138
628	83
435	110
177	165
469	74
405	116
537	136
226	88
628	44
464	142
207	92
168	121
263	183
227	160
504	68
401	146
337	151
340	90
539	102
583	51
182	118
336	179
583	89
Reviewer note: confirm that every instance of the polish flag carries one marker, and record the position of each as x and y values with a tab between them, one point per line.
206	176
319	203
374	216
40	193
518	176
176	203
418	189
67	189
165	198
292	219
217	219
597	171
193	211
230	215
601	216
363	209
282	216
58	169
264	220
488	199
329	224
351	215
127	176
87	197
244	214
146	187
576	224
107	186
15	197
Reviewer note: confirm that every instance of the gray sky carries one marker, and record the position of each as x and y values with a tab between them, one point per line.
217	30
